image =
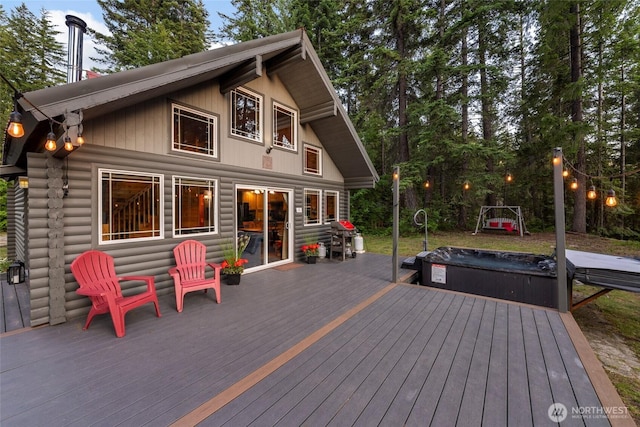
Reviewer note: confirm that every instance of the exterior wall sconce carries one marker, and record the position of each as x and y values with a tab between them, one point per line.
611	200
23	182
15	273
592	194
574	184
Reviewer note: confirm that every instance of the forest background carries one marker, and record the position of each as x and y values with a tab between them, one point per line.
468	97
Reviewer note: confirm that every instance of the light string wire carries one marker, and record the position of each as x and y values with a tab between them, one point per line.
19	95
568	165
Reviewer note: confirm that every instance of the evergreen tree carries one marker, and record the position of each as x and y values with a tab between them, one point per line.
145	32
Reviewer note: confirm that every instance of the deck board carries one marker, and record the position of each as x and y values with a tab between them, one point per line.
414	356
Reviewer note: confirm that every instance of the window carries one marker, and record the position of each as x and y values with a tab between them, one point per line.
312	207
285	127
195	132
130	204
331	206
195	206
312	160
245	114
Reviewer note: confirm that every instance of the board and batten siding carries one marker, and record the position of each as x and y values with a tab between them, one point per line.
146	127
149	257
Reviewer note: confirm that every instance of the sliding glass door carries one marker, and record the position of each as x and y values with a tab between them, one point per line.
264	214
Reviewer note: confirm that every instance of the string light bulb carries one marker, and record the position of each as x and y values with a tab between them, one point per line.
80	139
592	194
574	184
611	200
67	143
15	129
565	173
427	184
466	185
509	177
50	143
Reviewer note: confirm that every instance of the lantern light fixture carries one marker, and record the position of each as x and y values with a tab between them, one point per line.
23	182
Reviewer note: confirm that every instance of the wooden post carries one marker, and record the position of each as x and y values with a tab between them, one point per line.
396	220
561	256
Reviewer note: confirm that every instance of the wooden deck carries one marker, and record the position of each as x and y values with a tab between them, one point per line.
327	344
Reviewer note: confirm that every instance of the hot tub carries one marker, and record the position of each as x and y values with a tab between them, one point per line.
512	276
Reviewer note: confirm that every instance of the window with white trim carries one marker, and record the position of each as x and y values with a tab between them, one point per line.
195	206
331	206
246	114
312	160
313	207
285	128
194	131
130	206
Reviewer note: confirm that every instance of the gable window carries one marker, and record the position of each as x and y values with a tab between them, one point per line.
285	127
313	209
331	206
312	160
195	206
194	131
246	114
130	206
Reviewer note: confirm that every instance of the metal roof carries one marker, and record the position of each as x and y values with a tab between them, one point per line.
289	55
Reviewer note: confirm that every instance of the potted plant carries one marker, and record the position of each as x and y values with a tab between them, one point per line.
311	250
233	265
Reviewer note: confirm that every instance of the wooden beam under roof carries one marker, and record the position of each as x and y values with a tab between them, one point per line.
286	58
317	112
248	71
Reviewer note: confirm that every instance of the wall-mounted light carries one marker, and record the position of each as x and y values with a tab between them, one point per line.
269	148
23	182
396	174
592	194
611	200
557	156
574	184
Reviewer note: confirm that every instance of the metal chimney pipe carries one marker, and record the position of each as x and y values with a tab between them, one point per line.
77	27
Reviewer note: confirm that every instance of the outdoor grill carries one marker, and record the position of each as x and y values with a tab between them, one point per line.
342	234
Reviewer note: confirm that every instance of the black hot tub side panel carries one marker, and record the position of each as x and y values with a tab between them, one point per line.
518	277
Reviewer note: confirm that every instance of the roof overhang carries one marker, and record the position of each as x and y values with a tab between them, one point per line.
289	55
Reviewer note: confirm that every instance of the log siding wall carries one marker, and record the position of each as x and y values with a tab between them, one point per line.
138	139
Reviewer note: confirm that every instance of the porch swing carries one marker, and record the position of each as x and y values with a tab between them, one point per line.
501	218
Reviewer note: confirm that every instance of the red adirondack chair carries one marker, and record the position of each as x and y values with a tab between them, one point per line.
189	272
96	275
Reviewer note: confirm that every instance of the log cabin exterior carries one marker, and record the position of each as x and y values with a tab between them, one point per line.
249	138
